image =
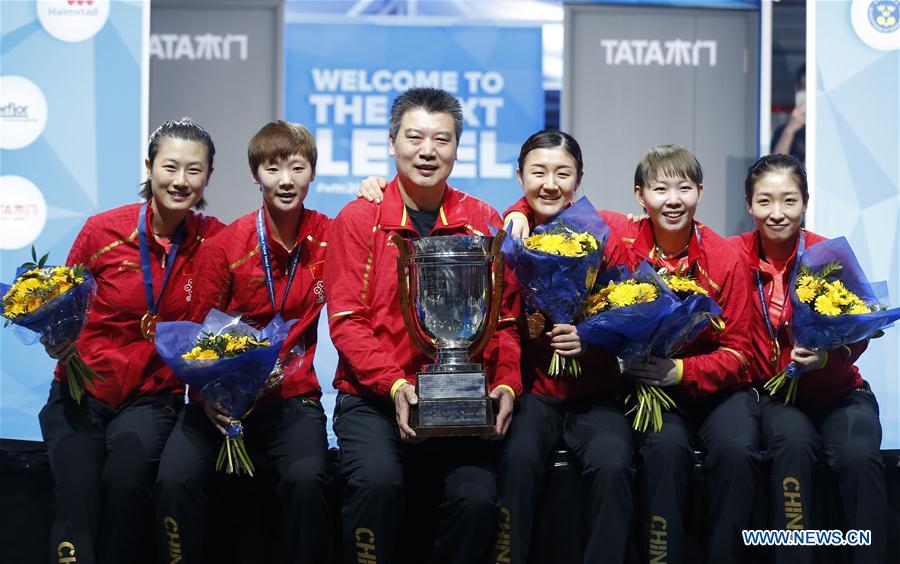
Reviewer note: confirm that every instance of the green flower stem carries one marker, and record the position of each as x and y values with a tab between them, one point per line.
233	457
563	366
651	401
79	377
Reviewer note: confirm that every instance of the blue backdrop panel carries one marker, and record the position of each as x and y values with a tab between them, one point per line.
341	79
84	59
857	163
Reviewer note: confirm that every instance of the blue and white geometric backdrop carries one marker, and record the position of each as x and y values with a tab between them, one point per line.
71	118
853	152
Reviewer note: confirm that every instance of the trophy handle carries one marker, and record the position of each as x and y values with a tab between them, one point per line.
405	302
497	269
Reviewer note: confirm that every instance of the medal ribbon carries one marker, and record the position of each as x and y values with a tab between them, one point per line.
262	239
773	332
153	304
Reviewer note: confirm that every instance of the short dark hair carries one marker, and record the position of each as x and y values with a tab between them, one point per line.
551	139
777	163
433	101
187	130
278	141
667	160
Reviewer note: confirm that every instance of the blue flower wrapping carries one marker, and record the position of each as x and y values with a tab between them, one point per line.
233	382
631	331
553	284
812	330
680	327
60	318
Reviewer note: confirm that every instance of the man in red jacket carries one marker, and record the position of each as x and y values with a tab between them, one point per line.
378	361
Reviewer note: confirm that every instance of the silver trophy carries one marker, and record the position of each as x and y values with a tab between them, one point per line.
450	292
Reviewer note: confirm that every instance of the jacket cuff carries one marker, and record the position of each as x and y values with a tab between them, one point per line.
679	364
507	388
397	384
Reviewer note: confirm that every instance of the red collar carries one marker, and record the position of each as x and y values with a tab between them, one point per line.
645	243
755	257
190	231
303	231
394	216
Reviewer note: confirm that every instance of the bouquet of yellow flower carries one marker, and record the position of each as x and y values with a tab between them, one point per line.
52	302
637	315
229	362
833	305
557	266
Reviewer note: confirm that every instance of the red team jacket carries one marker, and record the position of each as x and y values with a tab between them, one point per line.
599	367
817	387
363	305
716	360
111	341
233	281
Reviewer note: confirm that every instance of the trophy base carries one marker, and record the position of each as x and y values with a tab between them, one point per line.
452	404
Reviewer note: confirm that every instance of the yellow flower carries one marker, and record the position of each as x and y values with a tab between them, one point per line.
858	308
684	284
619	294
563	243
596	302
237	344
807	288
825	305
198	353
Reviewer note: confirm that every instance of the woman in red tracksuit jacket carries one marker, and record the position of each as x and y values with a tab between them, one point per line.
836	413
710	382
104	452
586	411
270	261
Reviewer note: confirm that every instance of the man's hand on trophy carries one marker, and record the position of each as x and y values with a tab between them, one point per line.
372	189
565	340
403	398
516	225
505	401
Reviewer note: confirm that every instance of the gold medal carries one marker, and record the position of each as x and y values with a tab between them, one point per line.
148	326
535	323
775	352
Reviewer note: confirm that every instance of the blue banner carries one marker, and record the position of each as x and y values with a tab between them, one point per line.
70	113
341	80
